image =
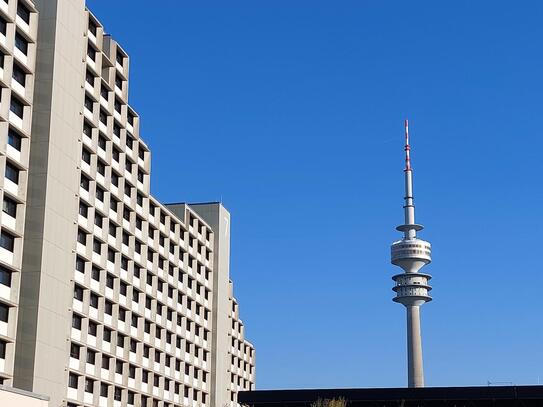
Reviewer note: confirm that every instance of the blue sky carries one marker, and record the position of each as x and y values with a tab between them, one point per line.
299	108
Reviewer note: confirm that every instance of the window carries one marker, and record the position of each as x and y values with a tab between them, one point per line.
83	210
118	394
117	131
76	322
89	385
117	105
86	156
114	179
102	142
113	204
19	75
91	357
74	351
14	140
9	207
97	246
21	43
5	277
103	117
80	265
118	82
105	360
103	390
99	194
89	77
85	183
120	58
23	12
16	107
101	167
98	220
108	308
7	241
4	312
12	173
78	293
92	28
93	328
81	236
72	381
91	52
107	338
89	103
130	119
3	25
87	130
110	280
94	301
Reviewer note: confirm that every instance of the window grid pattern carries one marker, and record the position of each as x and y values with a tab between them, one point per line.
18	31
143	277
242	357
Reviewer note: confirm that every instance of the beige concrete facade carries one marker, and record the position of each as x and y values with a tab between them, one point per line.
11	397
113	298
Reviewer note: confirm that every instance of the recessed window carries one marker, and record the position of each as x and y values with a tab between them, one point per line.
23	12
91	52
103	117
72	381
93	328
130	119
118	82
120	58
113	204
3	25
16	107
81	236
5	276
88	103
9	207
102	142
115	154
21	43
19	75
83	210
85	183
87	130
104	387
7	241
115	179
75	351
92	28
89	77
91	357
117	105
80	265
78	293
100	194
129	141
89	385
117	130
97	246
104	92
4	312
101	167
94	301
98	220
76	322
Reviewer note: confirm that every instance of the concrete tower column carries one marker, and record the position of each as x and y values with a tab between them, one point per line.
414	348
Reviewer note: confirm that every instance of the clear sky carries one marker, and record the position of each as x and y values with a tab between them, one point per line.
292	113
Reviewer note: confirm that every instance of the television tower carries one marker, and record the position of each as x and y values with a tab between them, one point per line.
411	254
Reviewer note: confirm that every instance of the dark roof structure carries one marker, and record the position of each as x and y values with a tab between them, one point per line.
491	396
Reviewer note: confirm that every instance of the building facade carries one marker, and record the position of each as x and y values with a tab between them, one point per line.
107	296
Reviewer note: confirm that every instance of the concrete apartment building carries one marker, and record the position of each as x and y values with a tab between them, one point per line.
107	296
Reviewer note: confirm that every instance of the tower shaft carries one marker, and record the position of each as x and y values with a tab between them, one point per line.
415	371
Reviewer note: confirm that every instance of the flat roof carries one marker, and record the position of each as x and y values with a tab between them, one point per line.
486	396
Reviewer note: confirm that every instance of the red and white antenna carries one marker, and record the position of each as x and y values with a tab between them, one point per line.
407	147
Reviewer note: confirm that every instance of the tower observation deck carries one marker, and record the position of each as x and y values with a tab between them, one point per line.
412	288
